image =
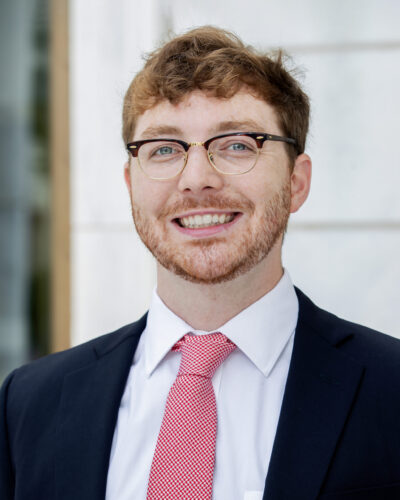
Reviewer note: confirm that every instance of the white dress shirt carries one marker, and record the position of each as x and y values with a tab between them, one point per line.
248	386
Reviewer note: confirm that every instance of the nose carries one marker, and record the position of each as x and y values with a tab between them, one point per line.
199	175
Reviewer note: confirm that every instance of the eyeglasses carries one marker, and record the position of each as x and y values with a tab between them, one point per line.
229	154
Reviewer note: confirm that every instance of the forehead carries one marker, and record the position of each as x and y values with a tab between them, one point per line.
202	115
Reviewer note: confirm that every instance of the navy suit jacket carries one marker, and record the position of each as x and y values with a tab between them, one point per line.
338	436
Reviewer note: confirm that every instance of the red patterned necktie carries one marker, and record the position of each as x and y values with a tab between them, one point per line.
183	462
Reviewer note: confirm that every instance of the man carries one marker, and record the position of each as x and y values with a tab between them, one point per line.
235	385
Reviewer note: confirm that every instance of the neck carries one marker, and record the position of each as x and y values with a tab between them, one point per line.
208	307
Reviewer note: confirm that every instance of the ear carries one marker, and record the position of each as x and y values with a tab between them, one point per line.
300	181
127	176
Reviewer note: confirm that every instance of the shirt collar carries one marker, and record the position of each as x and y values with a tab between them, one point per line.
261	331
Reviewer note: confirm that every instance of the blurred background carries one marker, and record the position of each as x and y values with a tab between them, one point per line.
71	265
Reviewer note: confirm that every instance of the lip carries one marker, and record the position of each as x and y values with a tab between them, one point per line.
205	232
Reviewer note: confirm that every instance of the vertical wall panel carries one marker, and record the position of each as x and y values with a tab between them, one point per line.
106	47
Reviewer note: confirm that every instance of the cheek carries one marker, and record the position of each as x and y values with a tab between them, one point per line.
149	196
257	191
264	192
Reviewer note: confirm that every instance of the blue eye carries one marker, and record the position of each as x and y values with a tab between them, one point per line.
165	150
238	146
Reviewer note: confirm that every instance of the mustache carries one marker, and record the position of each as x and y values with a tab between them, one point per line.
208	202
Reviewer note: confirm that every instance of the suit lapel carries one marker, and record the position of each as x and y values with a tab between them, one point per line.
88	412
321	386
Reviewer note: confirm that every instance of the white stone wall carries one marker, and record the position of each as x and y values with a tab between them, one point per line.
342	248
112	274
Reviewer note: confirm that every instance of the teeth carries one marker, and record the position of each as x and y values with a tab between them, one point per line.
198	221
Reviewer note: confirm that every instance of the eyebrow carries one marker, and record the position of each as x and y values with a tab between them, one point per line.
168	130
159	130
241	126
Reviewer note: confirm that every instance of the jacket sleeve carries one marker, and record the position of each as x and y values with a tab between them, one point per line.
6	469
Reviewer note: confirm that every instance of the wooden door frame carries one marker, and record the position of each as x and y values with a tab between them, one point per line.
60	176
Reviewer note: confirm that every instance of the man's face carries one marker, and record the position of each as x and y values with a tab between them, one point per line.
255	205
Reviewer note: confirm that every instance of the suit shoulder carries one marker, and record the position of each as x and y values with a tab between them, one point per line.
54	366
365	344
371	345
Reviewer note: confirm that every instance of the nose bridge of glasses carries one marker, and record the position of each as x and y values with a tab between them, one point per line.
197	143
201	144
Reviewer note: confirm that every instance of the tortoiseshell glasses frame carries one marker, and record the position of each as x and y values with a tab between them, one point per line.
259	138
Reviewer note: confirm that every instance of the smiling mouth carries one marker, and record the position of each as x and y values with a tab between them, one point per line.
206	220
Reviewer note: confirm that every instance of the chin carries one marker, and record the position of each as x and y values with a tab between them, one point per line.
201	276
210	266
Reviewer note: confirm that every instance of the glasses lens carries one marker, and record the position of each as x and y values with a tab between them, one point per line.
234	154
161	159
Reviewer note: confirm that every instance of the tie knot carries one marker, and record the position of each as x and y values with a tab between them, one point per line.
202	354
